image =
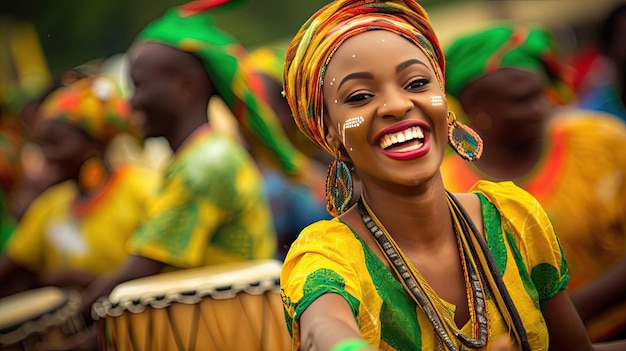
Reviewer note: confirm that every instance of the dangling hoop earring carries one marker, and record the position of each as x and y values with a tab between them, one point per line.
463	139
339	189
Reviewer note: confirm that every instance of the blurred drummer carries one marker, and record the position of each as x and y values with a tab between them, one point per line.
76	230
211	208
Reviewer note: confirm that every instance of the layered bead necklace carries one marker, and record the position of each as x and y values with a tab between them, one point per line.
422	293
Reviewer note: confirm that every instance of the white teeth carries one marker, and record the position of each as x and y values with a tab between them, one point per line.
408	135
412	133
411	148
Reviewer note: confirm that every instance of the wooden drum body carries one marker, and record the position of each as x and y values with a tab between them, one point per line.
225	307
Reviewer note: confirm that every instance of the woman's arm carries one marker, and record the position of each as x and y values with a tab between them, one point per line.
599	295
327	322
14	278
566	329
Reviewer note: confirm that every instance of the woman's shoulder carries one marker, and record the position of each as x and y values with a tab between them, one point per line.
326	237
521	214
523	219
505	195
331	231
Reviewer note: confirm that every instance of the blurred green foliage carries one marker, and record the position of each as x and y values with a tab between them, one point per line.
73	32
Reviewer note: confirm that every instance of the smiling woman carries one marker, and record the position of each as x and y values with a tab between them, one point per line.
411	266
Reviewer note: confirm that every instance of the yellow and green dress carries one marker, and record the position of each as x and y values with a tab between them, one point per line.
329	257
581	183
61	232
210	208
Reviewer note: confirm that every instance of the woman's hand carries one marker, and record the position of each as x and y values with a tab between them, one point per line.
502	344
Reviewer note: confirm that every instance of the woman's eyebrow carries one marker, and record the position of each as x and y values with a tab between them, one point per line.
366	75
408	63
355	75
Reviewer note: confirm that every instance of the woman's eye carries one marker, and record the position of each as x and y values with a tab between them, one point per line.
358	97
417	84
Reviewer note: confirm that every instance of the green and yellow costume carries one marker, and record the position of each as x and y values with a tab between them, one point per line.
579	179
57	232
61	229
210	208
329	257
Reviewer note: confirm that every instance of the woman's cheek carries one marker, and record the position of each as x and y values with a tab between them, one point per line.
350	126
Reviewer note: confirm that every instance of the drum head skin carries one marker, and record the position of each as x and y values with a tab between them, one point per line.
224	307
35	311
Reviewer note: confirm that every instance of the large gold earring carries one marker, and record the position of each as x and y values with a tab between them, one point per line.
463	139
339	189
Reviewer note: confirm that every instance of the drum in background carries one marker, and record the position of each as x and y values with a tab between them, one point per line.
225	307
47	313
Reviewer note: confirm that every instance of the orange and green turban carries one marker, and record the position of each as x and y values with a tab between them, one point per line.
313	46
506	45
190	28
94	104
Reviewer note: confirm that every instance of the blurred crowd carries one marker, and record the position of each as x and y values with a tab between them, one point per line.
182	153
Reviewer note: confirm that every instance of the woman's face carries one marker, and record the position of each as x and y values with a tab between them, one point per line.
64	146
515	100
385	107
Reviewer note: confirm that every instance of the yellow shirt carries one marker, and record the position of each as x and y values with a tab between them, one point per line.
210	209
328	257
57	232
581	183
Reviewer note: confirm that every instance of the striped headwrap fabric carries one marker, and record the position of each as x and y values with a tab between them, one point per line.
315	43
507	45
94	104
190	28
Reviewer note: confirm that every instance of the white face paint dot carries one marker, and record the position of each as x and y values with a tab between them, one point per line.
353	56
335	101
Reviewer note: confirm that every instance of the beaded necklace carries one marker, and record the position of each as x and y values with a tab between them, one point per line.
423	294
477	263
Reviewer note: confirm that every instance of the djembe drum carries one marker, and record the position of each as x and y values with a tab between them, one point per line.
46	314
225	307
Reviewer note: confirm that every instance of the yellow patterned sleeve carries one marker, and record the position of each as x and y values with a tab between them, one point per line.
318	263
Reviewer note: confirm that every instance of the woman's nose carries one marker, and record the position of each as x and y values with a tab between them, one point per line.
395	103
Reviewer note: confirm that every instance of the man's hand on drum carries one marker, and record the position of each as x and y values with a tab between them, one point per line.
67	278
86	339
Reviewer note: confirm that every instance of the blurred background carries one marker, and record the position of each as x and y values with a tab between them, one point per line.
40	40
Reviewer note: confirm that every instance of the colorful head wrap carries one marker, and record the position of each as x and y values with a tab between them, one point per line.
506	45
93	104
190	28
314	45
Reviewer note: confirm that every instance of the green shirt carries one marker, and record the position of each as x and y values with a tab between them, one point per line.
210	209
